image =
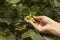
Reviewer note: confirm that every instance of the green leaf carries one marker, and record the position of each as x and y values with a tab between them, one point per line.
30	16
2	38
8	21
11	37
48	38
57	4
28	33
37	37
20	28
35	7
33	35
12	1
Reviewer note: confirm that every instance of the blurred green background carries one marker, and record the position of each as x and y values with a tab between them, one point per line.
13	12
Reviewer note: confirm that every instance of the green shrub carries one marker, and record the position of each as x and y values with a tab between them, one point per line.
13	13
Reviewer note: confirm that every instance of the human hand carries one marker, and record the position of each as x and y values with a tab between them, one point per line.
45	24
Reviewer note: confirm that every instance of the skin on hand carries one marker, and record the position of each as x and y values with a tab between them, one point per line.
45	24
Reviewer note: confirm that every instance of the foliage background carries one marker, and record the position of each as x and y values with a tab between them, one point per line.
13	12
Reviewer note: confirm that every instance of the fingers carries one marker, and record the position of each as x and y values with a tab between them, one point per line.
38	18
43	19
35	25
30	22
